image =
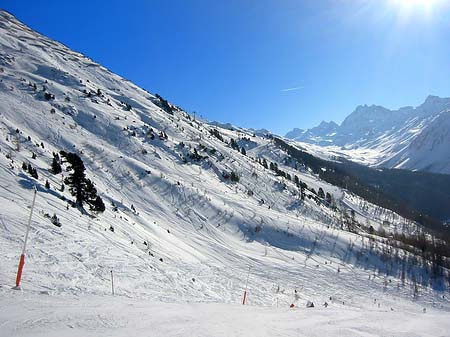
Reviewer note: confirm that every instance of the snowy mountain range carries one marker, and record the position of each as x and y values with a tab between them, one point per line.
408	138
195	212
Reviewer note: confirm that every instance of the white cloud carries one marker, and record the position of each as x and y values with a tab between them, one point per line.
292	89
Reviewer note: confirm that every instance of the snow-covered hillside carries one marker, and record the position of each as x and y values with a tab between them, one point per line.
191	211
408	138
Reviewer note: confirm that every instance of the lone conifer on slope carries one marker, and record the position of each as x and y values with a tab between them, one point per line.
56	166
81	187
321	193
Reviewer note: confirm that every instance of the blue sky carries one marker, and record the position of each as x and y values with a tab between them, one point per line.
257	63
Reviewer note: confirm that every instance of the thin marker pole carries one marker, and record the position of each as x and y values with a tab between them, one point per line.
112	282
246	284
22	256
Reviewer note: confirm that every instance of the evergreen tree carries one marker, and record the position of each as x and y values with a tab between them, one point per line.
77	178
34	173
275	168
56	166
234	145
99	205
264	163
234	177
216	134
196	156
81	187
55	221
321	193
90	192
353	214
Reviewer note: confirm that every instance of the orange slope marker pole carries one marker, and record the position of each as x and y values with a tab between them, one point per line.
246	284
22	256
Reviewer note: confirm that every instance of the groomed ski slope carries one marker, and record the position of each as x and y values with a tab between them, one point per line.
180	260
66	316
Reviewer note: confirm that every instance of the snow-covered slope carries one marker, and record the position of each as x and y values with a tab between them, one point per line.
175	229
405	138
429	150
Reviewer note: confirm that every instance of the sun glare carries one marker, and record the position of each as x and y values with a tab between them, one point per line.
416	5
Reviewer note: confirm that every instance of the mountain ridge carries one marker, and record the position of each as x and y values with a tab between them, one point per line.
392	136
